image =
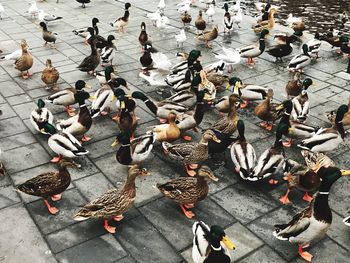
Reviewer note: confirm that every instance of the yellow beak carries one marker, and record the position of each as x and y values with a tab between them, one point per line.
122	104
216	139
228	243
115	143
280	107
228	86
345	172
88	86
42	130
290	130
313	84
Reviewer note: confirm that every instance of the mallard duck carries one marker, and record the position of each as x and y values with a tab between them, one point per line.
332	38
205	84
312	223
266	24
218	79
298	27
314	45
228	124
67	97
48	36
83	2
40	116
200	22
160	109
230	57
268	111
314	160
247	92
83	32
272	161
254	51
344	47
152	59
135	151
327	139
108	52
187	191
143	37
62	143
125	117
91	62
50	75
346	119
299	62
25	61
191	153
168	132
210	244
186	18
113	203
209	36
121	22
301	103
106	75
184	97
228	20
295	86
282	50
242	153
50	184
81	123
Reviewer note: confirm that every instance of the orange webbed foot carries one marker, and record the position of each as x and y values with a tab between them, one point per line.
187	138
188	214
56	159
305	255
56	197
53	210
307	197
85	138
109	228
118	218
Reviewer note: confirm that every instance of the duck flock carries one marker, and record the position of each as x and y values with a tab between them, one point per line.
194	90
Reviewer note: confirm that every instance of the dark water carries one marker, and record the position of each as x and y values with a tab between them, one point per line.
319	15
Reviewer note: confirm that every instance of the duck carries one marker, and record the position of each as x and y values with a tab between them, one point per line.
143	37
205	84
50	75
152	59
300	177
106	75
214	148
187	191
210	244
161	5
180	38
48	36
301	103
295	86
346	221
210	12
49	184
190	154
40	115
45	17
25	61
113	203
15	54
160	109
216	76
298	28
91	62
332	38
133	151
272	161
186	18
292	19
254	51
200	23
228	124
346	119
83	31
242	153
282	50
121	22
126	117
299	62
315	160
268	111
327	139
81	123
230	57
247	92
108	52
238	18
228	20
267	24
314	45
209	36
83	2
67	97
313	222
344	47
186	97
168	132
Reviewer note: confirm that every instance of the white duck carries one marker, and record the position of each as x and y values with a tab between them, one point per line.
210	12
238	17
229	57
184	8
181	38
162	22
292	19
161	5
234	8
33	9
40	116
42	16
154	17
314	46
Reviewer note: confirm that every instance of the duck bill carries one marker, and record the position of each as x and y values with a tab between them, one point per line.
213	177
345	172
115	143
88	86
145	174
216	139
280	107
228	243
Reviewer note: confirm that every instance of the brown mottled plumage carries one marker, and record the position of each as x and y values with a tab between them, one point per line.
266	24
200	22
25	61
294	86
209	36
50	75
186	18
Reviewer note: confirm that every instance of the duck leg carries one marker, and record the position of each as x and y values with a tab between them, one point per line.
288	143
109	228
245	104
70	110
273	182
56	197
188	214
53	210
106	111
118	218
85	138
305	255
284	199
187	137
190	171
307	197
56	159
24	75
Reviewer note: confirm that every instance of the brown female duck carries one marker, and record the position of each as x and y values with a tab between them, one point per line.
191	153
143	37
188	190
25	61
209	36
91	62
167	131
186	18
50	75
200	22
266	24
115	202
49	184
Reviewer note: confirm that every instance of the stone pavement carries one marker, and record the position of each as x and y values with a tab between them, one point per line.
155	230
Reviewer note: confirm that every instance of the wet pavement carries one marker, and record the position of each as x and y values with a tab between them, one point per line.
154	230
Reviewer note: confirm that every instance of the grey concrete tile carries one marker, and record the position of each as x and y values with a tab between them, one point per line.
23	110
7	111
15	141
8	196
263	255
